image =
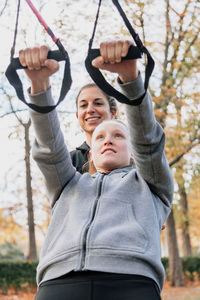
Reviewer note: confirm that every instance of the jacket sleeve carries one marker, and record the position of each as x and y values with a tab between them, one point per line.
49	149
148	142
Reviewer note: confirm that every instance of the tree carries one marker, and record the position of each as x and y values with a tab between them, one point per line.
32	243
184	219
179	62
31	226
194	206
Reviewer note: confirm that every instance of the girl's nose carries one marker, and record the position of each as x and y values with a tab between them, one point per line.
108	140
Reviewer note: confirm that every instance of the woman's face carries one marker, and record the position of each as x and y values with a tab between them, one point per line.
111	147
92	109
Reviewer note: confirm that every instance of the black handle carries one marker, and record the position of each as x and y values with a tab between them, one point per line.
15	81
101	82
133	53
56	55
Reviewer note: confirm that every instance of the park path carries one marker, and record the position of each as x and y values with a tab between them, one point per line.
168	293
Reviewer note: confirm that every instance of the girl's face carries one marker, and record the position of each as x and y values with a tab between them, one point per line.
92	109
111	148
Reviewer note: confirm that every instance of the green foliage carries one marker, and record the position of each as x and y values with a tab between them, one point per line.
9	251
165	262
190	264
17	273
191	267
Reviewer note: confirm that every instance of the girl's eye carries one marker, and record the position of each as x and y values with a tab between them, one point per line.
118	135
99	137
98	103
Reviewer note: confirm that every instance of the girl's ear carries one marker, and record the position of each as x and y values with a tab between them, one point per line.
92	169
132	163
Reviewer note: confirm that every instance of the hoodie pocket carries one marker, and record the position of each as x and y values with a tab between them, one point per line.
115	227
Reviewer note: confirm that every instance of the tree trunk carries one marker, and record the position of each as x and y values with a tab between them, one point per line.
175	265
31	226
186	242
187	249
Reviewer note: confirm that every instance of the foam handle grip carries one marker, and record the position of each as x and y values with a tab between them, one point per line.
56	55
133	53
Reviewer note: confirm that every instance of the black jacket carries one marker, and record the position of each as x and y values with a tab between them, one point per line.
80	158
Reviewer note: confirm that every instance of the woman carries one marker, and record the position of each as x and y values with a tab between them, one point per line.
103	241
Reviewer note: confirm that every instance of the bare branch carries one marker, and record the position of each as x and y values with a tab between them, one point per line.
184	11
11	112
5	4
187	150
181	34
167	42
15	113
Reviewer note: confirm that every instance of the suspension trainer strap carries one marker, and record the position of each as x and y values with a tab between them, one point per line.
59	55
133	53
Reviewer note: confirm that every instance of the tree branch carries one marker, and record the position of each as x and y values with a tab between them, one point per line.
5	4
15	113
187	150
181	35
11	112
184	11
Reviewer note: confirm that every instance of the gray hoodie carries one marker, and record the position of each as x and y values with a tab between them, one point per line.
105	222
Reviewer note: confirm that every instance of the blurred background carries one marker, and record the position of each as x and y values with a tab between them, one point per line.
170	30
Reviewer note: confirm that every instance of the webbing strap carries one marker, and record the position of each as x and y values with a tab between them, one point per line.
97	76
60	55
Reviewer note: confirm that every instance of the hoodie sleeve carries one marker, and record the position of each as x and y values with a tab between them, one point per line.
49	149
148	142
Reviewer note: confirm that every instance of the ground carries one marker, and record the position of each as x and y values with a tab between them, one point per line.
189	292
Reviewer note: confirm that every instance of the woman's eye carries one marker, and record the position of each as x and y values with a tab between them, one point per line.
98	103
82	105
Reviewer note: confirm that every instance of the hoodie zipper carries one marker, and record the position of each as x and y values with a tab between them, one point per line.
89	224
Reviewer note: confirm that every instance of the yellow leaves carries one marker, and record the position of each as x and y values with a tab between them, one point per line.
10	230
194	208
159	114
124	32
168	82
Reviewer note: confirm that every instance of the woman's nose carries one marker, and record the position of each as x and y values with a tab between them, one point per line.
90	108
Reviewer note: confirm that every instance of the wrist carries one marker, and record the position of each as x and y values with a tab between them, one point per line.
125	78
39	86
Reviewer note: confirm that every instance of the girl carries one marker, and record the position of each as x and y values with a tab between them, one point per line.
103	240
